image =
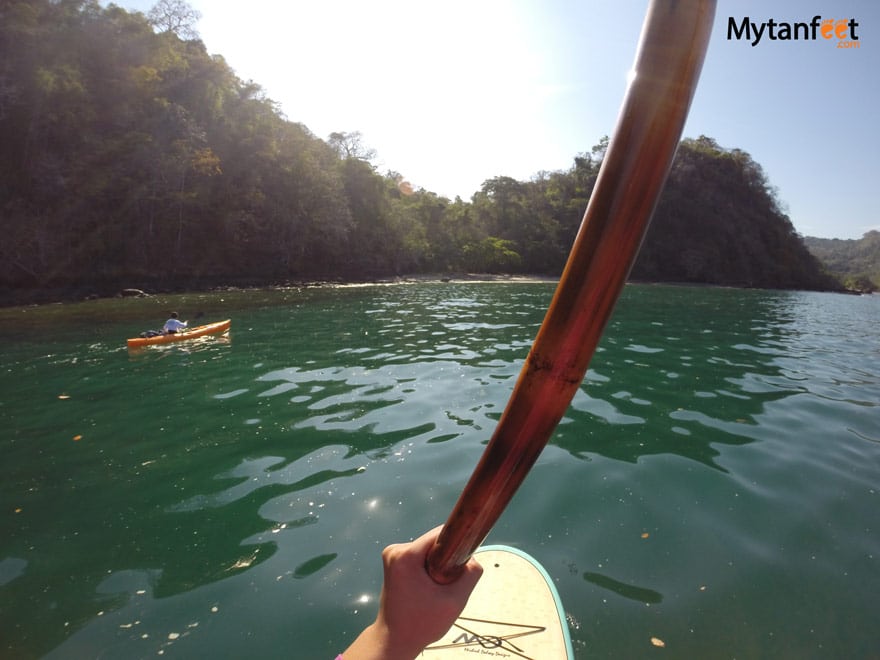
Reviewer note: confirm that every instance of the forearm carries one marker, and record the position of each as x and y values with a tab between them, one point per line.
377	643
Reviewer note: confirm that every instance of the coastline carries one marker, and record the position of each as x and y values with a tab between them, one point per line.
33	297
54	295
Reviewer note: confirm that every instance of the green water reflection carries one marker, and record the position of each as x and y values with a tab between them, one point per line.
714	483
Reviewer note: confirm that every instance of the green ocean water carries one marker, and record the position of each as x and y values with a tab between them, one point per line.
715	483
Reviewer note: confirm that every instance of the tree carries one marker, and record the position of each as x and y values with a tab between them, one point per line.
719	221
350	145
175	16
857	262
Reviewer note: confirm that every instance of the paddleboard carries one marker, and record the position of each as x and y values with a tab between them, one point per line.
514	612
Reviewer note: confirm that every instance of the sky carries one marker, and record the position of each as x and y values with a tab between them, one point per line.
450	94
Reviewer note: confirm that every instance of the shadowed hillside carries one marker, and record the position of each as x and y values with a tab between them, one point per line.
134	158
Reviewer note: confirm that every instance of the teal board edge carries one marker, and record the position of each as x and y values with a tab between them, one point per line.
560	611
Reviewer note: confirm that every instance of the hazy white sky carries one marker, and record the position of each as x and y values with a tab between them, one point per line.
452	93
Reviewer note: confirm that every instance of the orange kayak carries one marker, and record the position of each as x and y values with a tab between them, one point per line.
191	333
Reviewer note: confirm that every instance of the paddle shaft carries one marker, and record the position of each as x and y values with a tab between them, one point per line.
668	62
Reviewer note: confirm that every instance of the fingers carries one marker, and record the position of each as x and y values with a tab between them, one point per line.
426	540
414	549
416	552
469	577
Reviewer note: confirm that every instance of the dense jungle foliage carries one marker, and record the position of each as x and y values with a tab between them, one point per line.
856	262
133	158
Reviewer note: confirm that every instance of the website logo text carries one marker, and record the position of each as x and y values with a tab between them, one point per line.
842	29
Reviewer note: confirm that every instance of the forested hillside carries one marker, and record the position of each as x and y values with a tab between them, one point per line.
719	222
856	262
133	158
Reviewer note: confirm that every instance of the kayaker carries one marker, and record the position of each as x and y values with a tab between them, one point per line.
414	611
173	325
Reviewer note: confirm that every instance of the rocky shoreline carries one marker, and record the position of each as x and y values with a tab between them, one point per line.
25	297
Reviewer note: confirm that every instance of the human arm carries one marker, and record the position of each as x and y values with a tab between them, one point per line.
413	609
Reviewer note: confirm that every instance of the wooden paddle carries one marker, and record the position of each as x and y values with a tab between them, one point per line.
668	62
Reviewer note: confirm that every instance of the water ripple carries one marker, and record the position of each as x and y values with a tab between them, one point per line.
719	465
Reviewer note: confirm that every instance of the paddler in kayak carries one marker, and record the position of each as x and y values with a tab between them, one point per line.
173	325
414	611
